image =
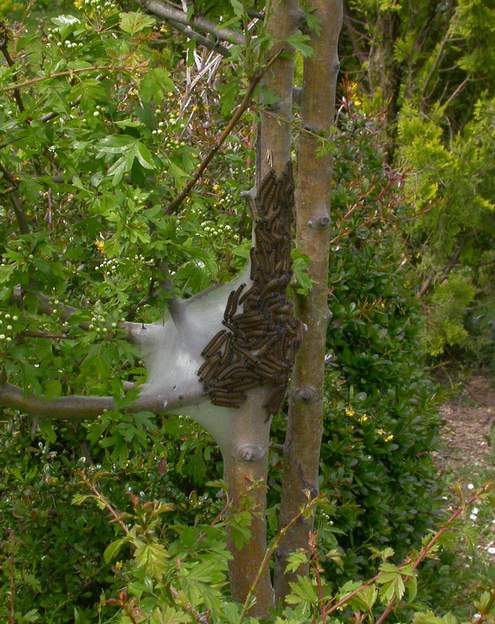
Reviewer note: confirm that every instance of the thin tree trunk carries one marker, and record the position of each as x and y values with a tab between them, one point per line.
305	426
245	472
247	479
274	140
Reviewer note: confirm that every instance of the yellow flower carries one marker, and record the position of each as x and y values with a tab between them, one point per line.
389	437
363	418
349	411
100	245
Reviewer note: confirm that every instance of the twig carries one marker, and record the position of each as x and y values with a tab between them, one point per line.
459	89
446	270
117	516
40	334
435	64
72	72
16	200
240	110
423	553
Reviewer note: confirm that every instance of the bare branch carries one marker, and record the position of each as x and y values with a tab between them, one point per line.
168	12
240	110
78	407
201	39
458	90
71	72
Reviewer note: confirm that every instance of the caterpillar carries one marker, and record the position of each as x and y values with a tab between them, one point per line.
261	335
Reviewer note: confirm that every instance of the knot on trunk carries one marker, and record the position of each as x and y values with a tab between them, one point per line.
306	394
250	452
319	223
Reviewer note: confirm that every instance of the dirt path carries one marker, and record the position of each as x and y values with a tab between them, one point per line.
468	452
466	430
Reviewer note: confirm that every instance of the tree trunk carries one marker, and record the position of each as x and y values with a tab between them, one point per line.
305	426
246	469
245	472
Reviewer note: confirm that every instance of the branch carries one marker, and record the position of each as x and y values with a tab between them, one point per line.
16	200
4	37
78	407
71	72
240	110
459	89
48	306
435	64
204	41
169	13
425	286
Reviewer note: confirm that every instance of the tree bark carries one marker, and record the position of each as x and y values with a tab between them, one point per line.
274	140
305	426
246	480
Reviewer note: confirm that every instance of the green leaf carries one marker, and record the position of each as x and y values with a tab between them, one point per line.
135	21
144	157
6	271
238	8
78	499
302	591
112	550
48	432
152	558
31	616
114	144
240	524
300	267
299	42
156	84
295	560
412	588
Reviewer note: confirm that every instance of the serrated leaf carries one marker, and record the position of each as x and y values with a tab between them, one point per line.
152	558
156	84
302	591
295	560
6	271
78	499
135	21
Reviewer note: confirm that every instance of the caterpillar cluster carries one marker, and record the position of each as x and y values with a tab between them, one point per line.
261	335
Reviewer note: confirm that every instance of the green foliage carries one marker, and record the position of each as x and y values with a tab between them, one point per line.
91	159
451	188
431	67
381	421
